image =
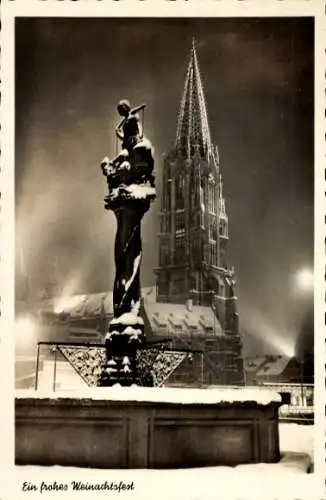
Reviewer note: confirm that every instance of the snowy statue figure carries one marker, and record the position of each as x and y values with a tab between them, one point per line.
131	186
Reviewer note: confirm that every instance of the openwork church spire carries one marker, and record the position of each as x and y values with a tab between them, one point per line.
193	132
193	265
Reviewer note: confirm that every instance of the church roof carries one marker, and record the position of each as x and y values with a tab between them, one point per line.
177	319
193	128
164	318
252	364
275	365
266	366
92	304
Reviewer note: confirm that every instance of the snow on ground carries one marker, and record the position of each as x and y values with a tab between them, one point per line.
164	395
287	479
297	438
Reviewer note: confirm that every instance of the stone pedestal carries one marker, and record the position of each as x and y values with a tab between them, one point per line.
148	428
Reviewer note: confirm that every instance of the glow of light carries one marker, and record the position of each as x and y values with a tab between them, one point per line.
279	340
280	344
287	349
68	299
304	280
25	330
65	304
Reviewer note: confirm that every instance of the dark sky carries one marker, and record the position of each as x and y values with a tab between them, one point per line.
258	76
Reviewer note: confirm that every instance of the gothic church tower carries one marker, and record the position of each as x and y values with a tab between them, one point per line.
194	224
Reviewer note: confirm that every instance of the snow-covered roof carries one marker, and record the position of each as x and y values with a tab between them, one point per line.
93	304
253	364
274	366
178	319
163	317
265	366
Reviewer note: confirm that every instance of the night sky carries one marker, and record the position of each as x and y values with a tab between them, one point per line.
258	76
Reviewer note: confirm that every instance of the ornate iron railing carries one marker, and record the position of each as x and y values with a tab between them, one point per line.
156	362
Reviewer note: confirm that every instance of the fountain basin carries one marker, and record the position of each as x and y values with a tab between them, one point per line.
147	427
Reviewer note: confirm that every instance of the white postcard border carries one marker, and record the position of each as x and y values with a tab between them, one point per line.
150	8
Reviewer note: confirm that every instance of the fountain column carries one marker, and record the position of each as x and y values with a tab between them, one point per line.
131	189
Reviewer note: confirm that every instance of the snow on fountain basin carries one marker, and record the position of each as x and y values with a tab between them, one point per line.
223	441
162	395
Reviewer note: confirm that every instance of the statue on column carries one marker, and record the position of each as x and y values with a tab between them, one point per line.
131	186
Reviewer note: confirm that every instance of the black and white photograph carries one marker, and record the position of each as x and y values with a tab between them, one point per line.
164	255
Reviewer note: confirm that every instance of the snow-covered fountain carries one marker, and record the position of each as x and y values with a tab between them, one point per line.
131	186
121	424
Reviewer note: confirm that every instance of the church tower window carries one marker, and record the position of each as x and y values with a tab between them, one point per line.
180	221
212	228
223	229
180	192
165	223
179	249
211	198
166	197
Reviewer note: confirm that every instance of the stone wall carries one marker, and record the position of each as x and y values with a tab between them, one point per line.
128	434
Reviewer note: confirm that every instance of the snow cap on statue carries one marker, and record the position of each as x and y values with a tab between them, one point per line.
124	105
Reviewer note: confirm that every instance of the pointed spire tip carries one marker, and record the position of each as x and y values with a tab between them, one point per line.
193	128
193	44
